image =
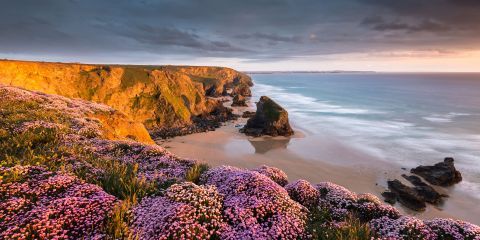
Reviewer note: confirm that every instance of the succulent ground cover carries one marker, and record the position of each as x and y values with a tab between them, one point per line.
64	175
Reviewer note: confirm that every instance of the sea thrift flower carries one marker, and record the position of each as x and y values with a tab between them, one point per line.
369	207
454	229
255	207
277	175
187	211
405	227
335	199
40	204
304	193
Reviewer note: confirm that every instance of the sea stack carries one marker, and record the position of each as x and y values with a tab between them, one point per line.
270	119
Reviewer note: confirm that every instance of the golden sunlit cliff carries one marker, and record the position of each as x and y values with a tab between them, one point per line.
158	96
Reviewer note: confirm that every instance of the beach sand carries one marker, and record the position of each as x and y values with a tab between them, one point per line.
316	159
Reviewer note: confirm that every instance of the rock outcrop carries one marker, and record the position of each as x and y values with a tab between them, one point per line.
248	114
161	97
269	119
442	174
425	191
239	101
406	195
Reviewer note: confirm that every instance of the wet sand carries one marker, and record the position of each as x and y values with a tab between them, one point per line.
313	158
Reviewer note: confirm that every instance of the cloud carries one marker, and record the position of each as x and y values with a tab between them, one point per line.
271	37
426	25
253	30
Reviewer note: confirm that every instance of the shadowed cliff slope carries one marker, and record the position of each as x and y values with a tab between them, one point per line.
159	96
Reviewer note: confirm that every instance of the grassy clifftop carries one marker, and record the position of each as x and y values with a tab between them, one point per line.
158	96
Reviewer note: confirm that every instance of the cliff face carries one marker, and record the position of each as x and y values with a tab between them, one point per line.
22	110
158	96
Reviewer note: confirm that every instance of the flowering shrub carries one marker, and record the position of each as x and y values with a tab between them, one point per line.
337	200
277	175
187	211
304	193
36	203
369	207
256	207
405	227
454	229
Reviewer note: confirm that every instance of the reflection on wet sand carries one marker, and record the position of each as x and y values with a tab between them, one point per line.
264	145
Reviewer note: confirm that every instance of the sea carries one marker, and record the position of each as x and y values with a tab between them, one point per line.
404	119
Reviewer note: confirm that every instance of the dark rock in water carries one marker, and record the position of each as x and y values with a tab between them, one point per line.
425	191
390	197
241	89
239	101
270	119
248	114
407	195
442	174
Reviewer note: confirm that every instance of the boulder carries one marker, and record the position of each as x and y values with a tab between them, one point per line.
406	195
390	197
248	114
442	174
269	119
239	101
425	191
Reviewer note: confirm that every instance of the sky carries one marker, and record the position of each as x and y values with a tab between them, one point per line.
250	35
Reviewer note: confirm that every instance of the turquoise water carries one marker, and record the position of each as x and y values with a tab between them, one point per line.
404	119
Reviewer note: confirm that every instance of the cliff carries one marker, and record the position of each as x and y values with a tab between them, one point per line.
159	96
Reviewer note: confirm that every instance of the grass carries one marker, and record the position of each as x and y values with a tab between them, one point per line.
352	229
194	173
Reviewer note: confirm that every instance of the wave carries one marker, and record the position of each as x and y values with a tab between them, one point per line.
303	104
444	118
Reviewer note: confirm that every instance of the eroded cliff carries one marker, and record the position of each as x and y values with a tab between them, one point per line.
158	96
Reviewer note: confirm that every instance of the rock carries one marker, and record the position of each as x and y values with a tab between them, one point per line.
390	197
407	195
428	193
248	114
442	174
239	101
241	89
270	119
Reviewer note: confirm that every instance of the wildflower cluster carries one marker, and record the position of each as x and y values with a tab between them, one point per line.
405	227
336	199
187	211
277	175
256	207
304	193
369	207
453	229
36	203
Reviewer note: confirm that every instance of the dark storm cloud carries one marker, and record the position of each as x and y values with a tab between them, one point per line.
249	29
426	25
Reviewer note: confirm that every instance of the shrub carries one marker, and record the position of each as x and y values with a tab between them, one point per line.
256	207
187	211
304	193
45	205
277	175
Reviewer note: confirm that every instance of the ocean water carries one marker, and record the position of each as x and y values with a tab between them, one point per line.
403	119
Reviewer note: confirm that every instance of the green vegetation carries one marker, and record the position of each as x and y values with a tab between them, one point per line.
193	175
132	76
352	229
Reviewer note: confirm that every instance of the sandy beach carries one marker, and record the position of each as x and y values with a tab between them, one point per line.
313	158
